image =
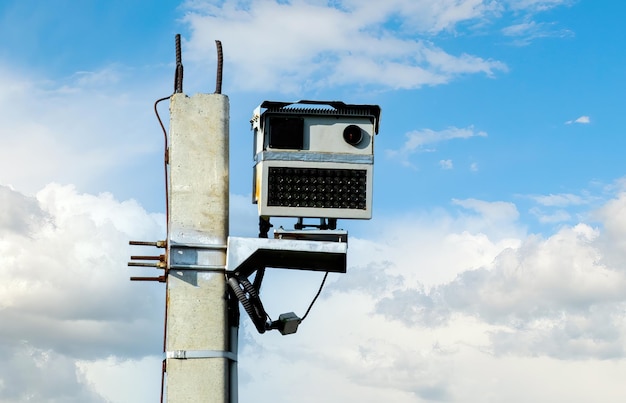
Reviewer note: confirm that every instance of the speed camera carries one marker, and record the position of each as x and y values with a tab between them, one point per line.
314	159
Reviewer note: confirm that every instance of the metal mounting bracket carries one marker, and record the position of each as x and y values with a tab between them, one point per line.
245	255
194	256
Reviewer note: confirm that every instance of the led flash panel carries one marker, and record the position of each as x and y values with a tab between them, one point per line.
317	188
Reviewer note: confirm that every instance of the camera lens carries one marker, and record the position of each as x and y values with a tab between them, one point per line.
352	135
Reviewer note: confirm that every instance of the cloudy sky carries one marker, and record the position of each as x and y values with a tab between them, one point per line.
494	269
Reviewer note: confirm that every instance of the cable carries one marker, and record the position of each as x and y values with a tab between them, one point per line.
315	299
249	298
165	158
167	224
248	295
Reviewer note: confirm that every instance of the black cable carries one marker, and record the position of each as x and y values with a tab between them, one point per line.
167	223
315	299
247	293
249	298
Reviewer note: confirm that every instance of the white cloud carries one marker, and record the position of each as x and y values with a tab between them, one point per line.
560	200
434	295
613	218
442	296
127	380
526	32
557	216
582	120
519	29
307	45
536	5
30	374
551	296
86	128
427	15
446	164
419	140
66	293
560	207
499	211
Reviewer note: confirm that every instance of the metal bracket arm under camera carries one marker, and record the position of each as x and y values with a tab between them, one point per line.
245	255
303	250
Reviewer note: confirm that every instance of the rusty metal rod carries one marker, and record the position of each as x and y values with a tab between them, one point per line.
160	279
220	65
178	77
158	244
159	265
159	257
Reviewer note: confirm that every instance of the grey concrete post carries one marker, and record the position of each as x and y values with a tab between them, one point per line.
197	322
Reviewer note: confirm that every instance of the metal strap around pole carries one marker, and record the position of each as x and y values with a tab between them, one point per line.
191	354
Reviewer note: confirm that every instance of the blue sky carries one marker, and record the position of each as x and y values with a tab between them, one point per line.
498	238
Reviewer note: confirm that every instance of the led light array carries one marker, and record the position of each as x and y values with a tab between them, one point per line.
317	187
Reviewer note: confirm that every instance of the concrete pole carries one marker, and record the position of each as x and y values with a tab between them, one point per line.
197	339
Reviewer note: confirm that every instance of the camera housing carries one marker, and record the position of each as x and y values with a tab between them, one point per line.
314	159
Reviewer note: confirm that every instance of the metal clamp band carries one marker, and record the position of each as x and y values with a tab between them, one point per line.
191	354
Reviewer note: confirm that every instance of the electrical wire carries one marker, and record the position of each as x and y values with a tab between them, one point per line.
248	295
315	298
167	202
165	159
178	88
167	223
